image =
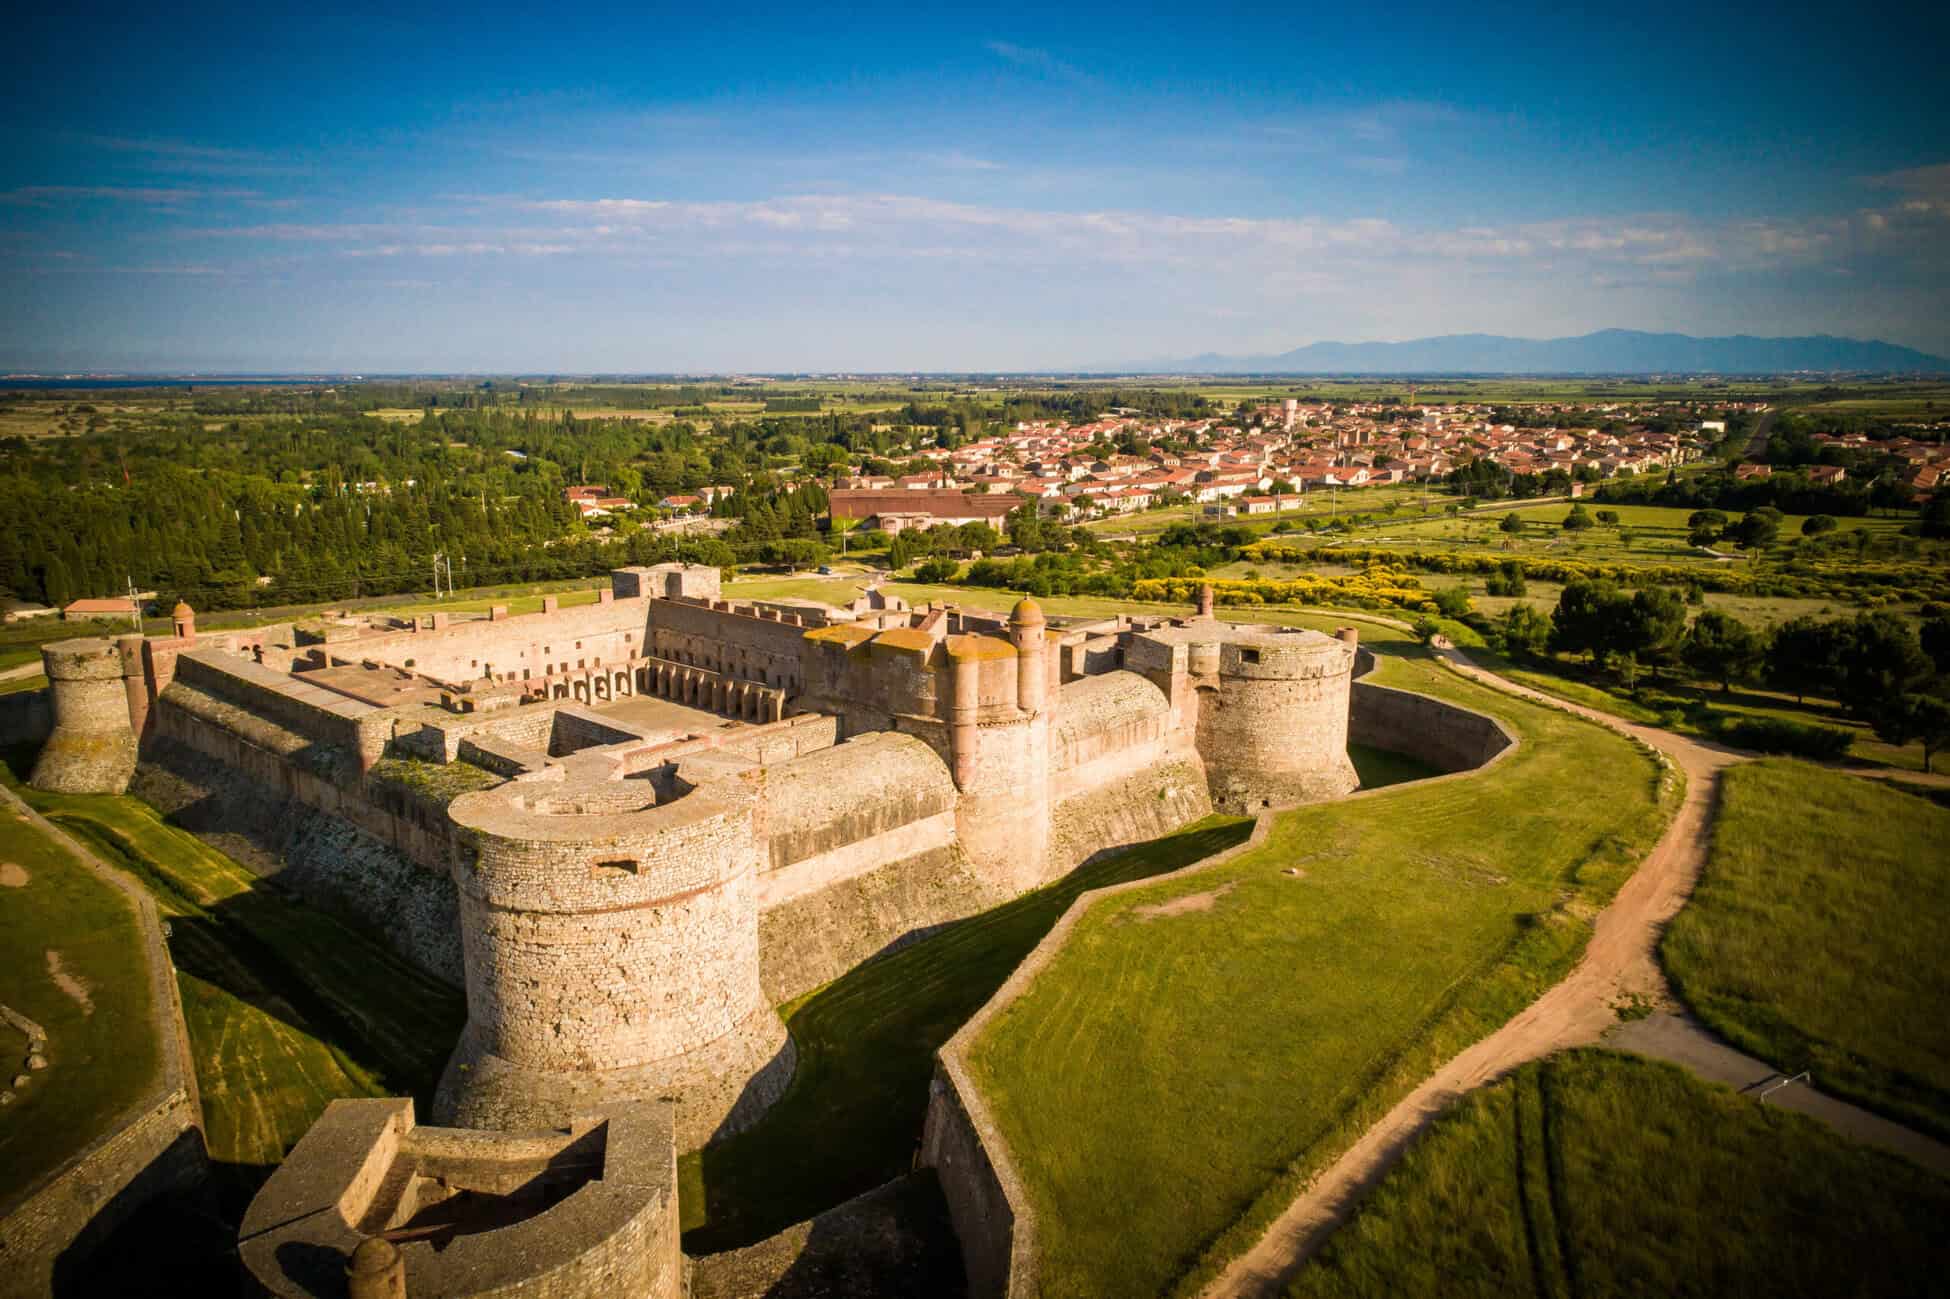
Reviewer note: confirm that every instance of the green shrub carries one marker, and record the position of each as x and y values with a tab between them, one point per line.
1776	735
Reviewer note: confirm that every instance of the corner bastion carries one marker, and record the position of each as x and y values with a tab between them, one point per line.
609	929
1269	706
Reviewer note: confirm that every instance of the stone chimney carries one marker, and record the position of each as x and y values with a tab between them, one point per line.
1205	600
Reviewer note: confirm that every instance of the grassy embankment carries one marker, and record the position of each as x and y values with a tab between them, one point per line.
1816	937
1606	1176
1420	919
287	1007
57	919
852	1116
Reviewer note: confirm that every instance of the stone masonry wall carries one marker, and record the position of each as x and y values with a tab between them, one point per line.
1275	730
528	645
839	797
1142	804
811	938
301	814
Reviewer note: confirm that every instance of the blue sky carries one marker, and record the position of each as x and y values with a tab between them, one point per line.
577	188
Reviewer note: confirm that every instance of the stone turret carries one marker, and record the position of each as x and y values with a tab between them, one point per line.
184	619
999	737
1272	721
91	749
610	938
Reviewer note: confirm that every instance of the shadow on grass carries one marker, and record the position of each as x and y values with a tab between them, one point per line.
302	968
852	1118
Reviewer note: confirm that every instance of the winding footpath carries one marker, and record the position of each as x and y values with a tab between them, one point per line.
1619	966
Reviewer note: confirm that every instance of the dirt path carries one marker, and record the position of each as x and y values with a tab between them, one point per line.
1620	964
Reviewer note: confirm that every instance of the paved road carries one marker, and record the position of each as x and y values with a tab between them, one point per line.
1620	965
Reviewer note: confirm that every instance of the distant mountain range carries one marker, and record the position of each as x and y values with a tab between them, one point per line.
1609	351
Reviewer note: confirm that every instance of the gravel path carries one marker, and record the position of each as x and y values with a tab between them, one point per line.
1620	965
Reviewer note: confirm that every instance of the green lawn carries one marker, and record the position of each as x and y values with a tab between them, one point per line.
287	1007
1606	1176
852	1117
1167	1084
102	1055
1817	936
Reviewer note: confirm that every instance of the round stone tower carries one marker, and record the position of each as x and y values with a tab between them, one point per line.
92	747
610	932
1272	719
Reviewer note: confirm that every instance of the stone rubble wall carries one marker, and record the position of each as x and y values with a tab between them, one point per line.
809	939
153	1148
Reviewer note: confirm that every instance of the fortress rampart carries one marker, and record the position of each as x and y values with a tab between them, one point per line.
633	827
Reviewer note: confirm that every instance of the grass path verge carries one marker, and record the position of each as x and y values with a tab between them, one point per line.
1602	1175
1816	937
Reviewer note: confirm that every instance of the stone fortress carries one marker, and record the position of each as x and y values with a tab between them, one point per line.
632	828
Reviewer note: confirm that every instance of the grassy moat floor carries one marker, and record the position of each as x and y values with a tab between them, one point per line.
74	966
288	1008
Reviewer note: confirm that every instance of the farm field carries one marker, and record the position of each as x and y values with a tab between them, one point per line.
1657	534
287	1007
1817	932
1606	1176
1420	918
74	967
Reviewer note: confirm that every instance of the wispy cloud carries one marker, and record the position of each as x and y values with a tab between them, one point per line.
955	160
152	195
1041	61
1933	180
188	157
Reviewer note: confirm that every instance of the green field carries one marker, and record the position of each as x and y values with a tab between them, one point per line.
287	1007
1421	918
1605	1176
1646	534
56	917
1816	937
